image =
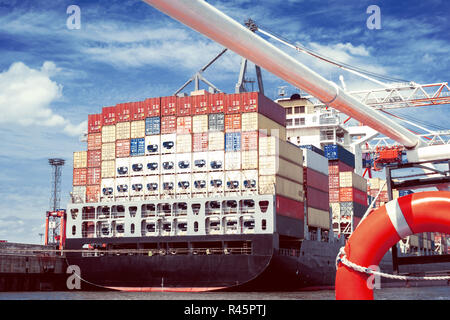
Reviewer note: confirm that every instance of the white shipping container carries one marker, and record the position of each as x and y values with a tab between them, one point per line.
318	218
107	187
184	143
200	123
183	162
167	184
122	187
315	161
80	159
233	160
79	194
216	160
183	183
137	186
233	181
152	186
108	169
250	181
269	146
137	129
249	159
122	167
281	186
216	140
137	166
152	165
122	130
108	134
168	143
108	151
200	162
249	121
216	183
335	210
168	163
352	180
153	144
199	182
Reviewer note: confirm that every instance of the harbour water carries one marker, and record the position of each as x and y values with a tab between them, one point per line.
404	293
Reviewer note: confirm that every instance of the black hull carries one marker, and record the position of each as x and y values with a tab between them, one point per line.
266	268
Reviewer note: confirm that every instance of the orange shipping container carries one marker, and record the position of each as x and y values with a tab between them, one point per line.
93	176
152	107
94	158
232	122
249	140
233	103
79	177
94	141
217	102
184	125
93	193
122	148
184	106
168	124
200	142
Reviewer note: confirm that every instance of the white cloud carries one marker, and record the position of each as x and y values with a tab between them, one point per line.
26	95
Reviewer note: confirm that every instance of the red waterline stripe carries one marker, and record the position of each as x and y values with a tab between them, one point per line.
160	289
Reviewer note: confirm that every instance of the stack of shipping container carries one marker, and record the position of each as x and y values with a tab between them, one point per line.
190	146
315	182
347	190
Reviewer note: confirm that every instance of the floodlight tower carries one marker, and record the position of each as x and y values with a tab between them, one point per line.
52	221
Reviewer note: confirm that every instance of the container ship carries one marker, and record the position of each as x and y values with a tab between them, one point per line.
215	191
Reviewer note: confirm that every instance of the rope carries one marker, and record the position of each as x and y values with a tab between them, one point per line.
342	258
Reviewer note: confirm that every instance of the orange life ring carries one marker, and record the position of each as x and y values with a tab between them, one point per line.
415	213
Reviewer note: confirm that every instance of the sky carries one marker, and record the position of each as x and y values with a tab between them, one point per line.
52	76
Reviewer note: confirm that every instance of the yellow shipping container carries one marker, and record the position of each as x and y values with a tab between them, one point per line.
216	141
273	165
108	151
123	130
108	134
249	159
108	169
80	159
253	121
269	146
318	218
281	186
184	143
200	123
137	129
352	180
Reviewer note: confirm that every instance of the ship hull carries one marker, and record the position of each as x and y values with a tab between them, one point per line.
265	268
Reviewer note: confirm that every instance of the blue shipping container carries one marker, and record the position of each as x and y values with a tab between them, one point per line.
402	193
152	126
336	152
137	147
313	148
233	141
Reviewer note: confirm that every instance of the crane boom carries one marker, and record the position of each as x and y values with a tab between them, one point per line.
214	24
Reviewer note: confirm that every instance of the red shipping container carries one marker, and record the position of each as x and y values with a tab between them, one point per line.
123	112
95	123
152	107
168	124
217	102
233	122
336	166
94	141
199	104
94	175
94	158
257	102
137	110
352	195
249	140
93	193
123	148
333	181
249	102
334	195
234	103
79	177
200	142
290	208
317	199
183	106
184	125
169	106
108	116
316	179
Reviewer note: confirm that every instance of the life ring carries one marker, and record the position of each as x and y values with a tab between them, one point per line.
415	213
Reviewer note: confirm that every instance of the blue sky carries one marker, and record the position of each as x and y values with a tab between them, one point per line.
51	77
